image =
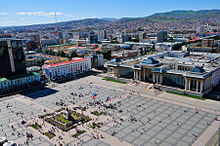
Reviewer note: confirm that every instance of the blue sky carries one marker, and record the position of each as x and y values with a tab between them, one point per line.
25	12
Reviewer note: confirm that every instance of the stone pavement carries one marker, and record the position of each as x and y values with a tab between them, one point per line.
139	118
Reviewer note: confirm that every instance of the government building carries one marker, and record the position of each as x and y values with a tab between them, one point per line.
183	72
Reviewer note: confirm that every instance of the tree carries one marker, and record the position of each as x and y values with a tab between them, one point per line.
177	46
51	52
171	39
107	54
46	51
41	62
62	54
74	54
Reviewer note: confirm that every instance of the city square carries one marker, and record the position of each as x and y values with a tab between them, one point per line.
130	118
110	73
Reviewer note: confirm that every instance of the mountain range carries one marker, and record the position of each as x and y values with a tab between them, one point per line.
173	16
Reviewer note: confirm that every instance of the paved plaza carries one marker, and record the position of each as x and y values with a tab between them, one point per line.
159	123
134	120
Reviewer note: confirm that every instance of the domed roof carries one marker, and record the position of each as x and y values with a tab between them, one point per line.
198	69
150	60
114	60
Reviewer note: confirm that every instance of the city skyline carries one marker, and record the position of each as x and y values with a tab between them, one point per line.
40	12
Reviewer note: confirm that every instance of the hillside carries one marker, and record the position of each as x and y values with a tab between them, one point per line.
181	15
202	16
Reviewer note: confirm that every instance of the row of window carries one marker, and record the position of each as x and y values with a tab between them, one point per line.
63	70
23	81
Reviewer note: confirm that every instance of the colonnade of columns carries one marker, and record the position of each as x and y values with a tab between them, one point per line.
158	78
199	85
137	75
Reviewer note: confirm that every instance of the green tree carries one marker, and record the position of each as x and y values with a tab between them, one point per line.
46	51
177	46
62	54
51	52
41	62
74	54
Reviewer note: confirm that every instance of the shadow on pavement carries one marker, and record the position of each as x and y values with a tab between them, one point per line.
39	93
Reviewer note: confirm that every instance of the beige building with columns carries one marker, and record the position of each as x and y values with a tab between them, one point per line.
182	75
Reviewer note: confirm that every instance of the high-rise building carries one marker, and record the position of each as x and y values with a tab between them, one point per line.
93	37
96	60
12	59
103	35
162	36
35	37
207	43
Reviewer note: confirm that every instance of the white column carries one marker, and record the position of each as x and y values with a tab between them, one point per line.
153	78
197	85
139	75
201	86
186	84
161	79
189	84
134	74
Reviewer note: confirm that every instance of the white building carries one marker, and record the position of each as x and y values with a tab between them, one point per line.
165	46
66	69
97	60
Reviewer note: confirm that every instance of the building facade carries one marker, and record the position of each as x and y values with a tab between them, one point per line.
186	73
11	84
97	60
206	43
66	69
162	36
93	37
12	59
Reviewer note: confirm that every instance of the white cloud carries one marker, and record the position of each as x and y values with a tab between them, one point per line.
40	13
3	13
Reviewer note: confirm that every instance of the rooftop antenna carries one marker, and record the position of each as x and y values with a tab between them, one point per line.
55	14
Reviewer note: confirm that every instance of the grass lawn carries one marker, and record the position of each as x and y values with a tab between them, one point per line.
79	133
75	117
106	79
61	126
62	119
51	121
192	96
35	126
48	135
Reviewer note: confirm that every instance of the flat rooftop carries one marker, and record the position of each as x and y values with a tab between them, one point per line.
209	61
64	63
19	76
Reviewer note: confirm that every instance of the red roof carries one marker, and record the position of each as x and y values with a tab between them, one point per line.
194	40
213	32
67	62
